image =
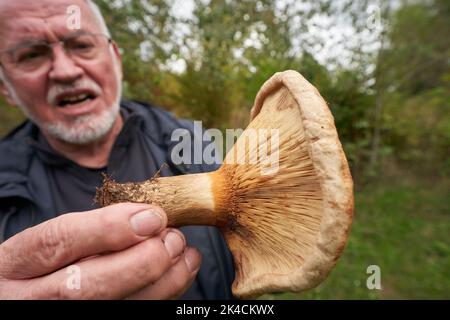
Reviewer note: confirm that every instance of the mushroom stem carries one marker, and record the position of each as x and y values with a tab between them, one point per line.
186	199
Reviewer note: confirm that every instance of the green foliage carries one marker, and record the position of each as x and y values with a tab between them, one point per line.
419	51
416	75
10	117
134	24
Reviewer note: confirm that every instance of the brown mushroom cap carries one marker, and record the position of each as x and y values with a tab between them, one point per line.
291	227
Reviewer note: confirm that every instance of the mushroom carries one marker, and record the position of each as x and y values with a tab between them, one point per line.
286	227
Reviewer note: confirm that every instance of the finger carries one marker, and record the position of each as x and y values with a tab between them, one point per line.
176	281
58	242
115	275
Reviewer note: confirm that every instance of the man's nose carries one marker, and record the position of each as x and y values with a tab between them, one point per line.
63	68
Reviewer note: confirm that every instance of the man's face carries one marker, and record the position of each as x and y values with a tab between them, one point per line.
74	100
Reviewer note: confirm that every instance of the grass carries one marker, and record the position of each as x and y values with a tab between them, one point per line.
402	228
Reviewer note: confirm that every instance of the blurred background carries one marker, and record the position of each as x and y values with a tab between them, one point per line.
382	66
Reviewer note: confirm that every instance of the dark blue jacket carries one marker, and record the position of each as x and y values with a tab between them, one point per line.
26	200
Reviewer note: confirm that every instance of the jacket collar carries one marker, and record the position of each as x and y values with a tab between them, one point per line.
24	144
25	151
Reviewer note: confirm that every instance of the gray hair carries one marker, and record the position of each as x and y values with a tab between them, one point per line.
98	16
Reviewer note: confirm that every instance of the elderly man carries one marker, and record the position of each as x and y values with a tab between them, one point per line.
56	244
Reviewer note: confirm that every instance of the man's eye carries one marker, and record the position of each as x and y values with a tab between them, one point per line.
80	46
31	55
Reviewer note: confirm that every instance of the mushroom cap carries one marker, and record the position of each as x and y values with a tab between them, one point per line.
298	235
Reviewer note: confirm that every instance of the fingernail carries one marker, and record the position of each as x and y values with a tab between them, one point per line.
174	244
146	223
193	259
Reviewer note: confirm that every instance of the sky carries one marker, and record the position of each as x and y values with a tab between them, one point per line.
338	34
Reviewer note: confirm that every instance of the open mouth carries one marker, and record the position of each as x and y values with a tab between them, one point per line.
74	99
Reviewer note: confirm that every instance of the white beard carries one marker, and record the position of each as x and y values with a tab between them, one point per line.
84	129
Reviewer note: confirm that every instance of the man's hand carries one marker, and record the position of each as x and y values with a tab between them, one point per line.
120	251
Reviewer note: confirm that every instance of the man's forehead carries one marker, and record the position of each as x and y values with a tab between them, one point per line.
25	18
10	8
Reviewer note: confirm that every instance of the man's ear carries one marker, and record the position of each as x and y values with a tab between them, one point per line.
118	56
6	94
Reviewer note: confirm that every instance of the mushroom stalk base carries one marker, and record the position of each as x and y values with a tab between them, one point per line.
187	199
